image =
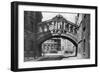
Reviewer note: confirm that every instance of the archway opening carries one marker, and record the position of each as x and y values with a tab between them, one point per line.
59	46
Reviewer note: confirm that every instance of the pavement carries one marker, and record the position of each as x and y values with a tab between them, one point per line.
48	57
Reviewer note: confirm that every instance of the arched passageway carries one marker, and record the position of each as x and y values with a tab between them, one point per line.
58	46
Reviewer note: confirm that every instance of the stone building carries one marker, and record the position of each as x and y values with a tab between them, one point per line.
52	45
31	19
58	46
83	22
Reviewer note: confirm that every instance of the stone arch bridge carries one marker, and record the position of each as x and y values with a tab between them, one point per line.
55	27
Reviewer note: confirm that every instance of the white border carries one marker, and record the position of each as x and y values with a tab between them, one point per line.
22	64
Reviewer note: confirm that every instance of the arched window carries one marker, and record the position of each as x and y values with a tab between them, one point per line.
40	29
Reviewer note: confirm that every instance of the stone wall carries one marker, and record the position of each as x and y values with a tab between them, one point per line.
31	19
84	36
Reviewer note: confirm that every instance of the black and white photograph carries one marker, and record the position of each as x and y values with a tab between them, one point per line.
56	36
53	36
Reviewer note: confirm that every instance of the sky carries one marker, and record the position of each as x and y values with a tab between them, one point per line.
68	16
